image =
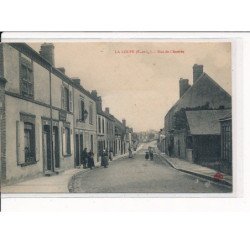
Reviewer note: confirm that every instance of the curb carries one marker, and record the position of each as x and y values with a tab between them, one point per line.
210	178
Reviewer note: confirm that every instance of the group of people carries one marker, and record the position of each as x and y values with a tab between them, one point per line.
149	154
88	159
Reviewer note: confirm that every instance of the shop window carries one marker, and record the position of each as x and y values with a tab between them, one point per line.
29	142
28	145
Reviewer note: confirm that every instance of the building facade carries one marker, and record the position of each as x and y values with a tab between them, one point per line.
204	98
41	125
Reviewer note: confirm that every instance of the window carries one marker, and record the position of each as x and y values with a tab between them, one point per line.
27	139
82	109
66	96
103	126
90	113
91	142
29	142
26	78
99	125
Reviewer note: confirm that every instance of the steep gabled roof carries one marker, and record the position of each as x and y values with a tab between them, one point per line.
204	90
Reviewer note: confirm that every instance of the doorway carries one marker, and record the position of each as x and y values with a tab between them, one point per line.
79	149
47	159
51	151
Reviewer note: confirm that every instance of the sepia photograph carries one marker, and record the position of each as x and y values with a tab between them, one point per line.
118	116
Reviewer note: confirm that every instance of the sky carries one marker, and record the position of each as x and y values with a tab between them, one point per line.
139	81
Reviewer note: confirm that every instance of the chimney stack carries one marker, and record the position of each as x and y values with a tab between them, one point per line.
197	72
62	70
76	80
184	86
124	122
107	110
94	93
99	102
47	52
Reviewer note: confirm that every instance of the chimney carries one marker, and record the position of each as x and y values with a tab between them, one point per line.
107	110
94	93
99	102
62	70
47	52
76	80
197	72
124	122
184	86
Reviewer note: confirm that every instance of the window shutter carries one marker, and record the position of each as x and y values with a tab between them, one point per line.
20	142
80	109
63	142
63	97
37	141
70	101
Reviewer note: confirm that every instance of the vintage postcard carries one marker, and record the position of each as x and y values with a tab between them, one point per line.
116	116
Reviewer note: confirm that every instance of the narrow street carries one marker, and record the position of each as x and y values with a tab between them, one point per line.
138	175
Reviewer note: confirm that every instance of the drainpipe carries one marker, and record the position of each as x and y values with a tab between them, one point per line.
2	130
51	124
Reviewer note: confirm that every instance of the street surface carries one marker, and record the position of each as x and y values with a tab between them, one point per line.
138	175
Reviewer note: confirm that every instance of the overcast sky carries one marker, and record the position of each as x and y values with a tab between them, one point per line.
141	86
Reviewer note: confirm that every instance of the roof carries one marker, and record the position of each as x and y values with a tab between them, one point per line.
203	90
205	122
28	51
227	117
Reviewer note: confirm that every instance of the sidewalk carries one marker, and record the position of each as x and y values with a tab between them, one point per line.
49	184
197	170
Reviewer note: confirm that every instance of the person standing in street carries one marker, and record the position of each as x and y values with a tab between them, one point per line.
85	158
130	154
104	159
91	162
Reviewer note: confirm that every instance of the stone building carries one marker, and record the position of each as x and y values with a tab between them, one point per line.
39	113
204	98
84	122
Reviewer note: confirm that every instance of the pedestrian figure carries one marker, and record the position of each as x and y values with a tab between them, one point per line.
130	155
91	163
147	156
85	158
104	159
111	154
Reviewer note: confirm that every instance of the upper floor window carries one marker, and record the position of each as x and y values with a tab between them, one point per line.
99	125
26	78
82	109
103	129
66	96
90	113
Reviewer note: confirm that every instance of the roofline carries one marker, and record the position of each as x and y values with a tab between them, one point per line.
198	79
34	55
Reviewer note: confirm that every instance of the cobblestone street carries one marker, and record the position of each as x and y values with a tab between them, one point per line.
138	175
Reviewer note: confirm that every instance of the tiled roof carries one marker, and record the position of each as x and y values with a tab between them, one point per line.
205	122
